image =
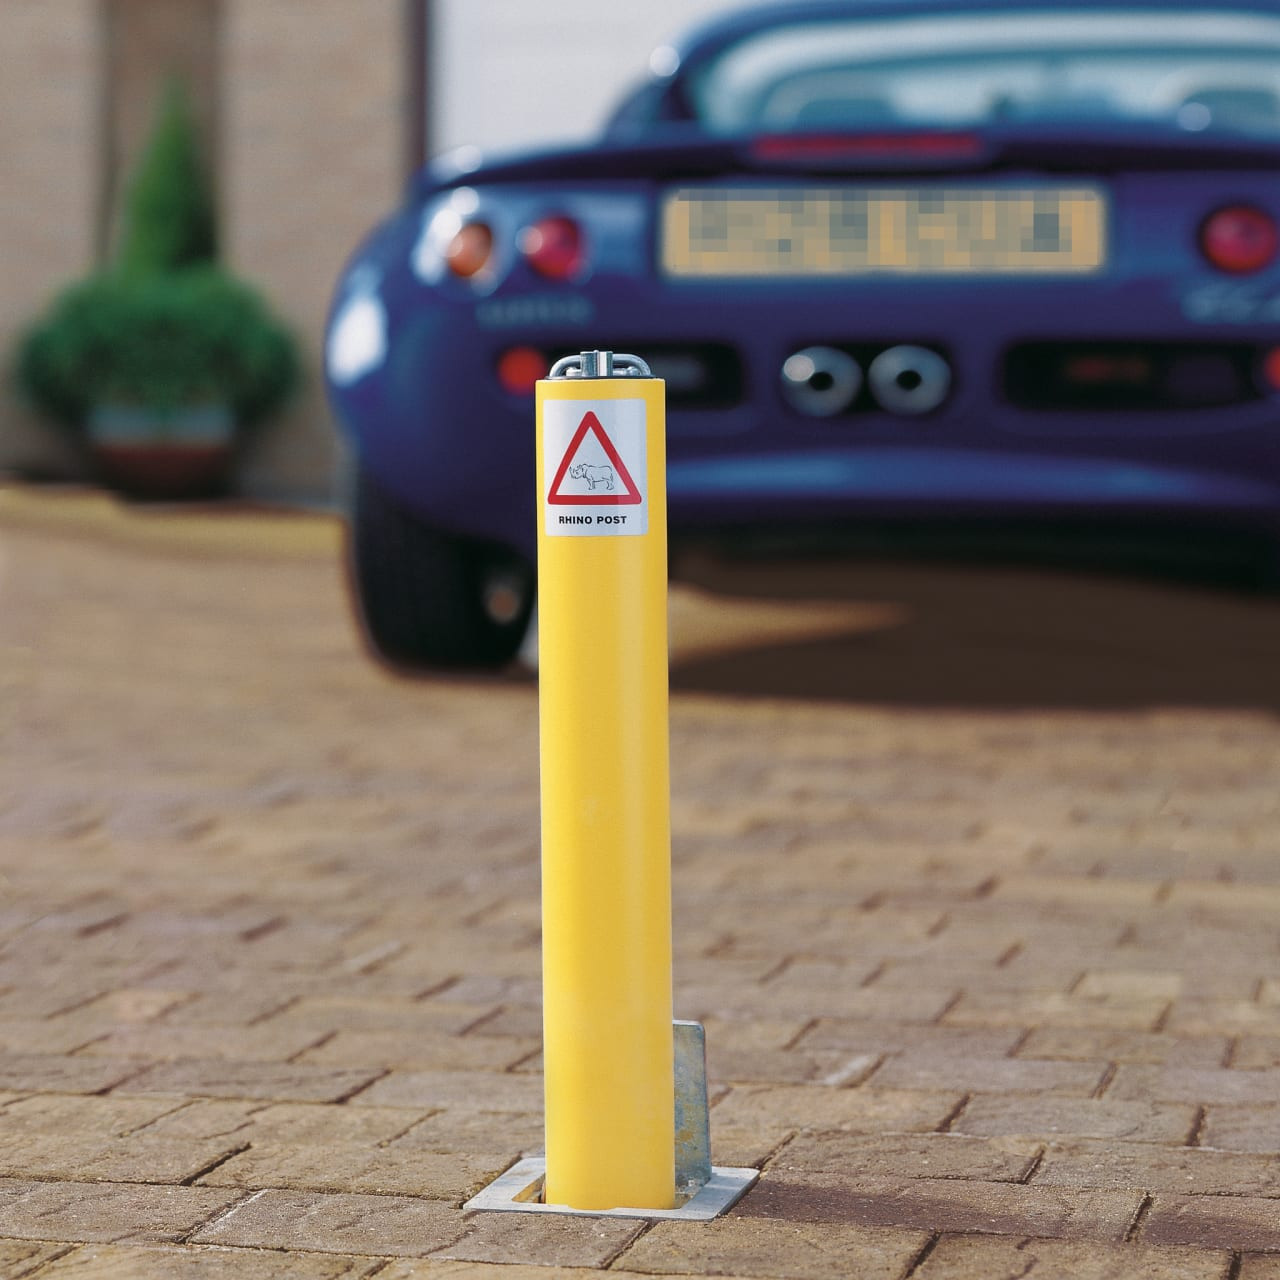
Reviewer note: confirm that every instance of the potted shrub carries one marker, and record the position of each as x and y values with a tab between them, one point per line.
161	362
160	374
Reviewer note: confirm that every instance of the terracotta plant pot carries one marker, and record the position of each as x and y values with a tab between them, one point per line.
163	454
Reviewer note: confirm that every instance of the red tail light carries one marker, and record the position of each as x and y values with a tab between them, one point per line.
519	368
1271	369
1107	370
554	247
1239	239
469	250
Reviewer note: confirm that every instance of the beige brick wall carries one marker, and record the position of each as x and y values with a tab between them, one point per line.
50	169
313	112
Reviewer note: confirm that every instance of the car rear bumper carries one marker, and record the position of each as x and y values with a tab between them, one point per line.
918	480
440	433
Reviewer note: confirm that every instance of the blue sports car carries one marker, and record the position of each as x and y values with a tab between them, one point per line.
902	264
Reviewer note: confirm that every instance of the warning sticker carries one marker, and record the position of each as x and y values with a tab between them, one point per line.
594	460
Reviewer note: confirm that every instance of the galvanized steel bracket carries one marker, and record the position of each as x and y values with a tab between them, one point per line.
703	1191
693	1119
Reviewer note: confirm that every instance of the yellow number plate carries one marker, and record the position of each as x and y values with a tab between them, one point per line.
849	231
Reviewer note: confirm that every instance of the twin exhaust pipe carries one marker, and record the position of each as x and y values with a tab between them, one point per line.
823	381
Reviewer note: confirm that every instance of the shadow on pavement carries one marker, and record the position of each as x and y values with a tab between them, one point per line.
967	636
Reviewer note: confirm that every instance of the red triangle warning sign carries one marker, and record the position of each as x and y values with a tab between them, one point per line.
608	484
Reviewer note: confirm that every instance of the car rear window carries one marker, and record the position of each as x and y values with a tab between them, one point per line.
1196	70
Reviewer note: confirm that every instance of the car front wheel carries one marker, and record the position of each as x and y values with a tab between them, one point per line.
427	598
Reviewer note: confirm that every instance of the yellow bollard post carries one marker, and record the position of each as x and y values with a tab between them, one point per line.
606	843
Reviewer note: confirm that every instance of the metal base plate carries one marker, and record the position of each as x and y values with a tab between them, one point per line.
520	1188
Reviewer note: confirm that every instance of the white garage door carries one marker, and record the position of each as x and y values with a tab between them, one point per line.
505	73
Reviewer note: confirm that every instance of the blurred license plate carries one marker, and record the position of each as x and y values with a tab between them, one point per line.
847	231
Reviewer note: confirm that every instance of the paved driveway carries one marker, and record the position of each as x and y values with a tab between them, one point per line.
977	891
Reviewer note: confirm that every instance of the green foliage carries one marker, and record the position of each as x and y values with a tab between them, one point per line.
166	328
160	342
168	209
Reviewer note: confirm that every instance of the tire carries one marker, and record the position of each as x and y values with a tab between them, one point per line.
427	598
1269	570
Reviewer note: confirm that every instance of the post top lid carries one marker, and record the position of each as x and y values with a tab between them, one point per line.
600	364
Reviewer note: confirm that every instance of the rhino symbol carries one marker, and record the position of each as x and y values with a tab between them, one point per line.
596	477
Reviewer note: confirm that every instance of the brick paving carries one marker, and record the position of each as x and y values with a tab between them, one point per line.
985	937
